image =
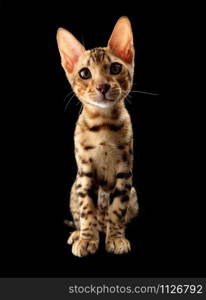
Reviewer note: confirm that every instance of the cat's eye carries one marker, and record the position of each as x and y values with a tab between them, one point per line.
115	68
85	73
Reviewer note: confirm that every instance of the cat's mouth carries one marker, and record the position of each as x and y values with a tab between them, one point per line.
105	99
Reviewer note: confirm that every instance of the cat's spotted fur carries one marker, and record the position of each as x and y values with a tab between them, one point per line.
102	196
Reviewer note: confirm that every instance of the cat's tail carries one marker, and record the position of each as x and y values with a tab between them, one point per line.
69	223
133	206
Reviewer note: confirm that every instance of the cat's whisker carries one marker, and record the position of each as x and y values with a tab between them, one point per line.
128	100
68	102
81	109
127	95
68	95
144	92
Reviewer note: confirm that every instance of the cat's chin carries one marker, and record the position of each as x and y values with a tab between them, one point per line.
102	104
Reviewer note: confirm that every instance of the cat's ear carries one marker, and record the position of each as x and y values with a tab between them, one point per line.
121	40
70	49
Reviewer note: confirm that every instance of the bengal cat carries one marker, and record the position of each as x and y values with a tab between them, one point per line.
102	196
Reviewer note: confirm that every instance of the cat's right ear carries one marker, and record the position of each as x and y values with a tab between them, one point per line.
70	49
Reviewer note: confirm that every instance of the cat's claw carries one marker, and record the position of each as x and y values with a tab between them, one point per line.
118	245
84	247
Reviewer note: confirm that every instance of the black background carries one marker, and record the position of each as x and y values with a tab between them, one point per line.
38	165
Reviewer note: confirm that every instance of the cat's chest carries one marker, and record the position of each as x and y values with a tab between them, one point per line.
101	138
98	146
102	149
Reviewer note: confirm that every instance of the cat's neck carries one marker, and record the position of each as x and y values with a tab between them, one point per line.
113	113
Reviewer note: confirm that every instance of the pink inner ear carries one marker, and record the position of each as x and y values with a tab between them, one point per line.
70	61
69	67
126	53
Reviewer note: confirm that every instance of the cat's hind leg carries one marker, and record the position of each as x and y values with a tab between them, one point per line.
74	204
133	206
74	208
74	236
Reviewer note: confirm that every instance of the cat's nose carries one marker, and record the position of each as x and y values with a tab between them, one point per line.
103	88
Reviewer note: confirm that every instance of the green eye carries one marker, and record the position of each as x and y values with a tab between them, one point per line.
85	73
115	68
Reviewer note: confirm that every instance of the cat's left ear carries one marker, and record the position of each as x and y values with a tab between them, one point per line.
121	40
70	49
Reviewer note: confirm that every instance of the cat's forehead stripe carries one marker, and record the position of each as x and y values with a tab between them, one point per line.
108	58
97	55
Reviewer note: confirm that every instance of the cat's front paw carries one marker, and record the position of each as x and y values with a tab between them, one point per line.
84	247
118	245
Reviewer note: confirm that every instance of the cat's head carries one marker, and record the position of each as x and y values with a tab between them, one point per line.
102	76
